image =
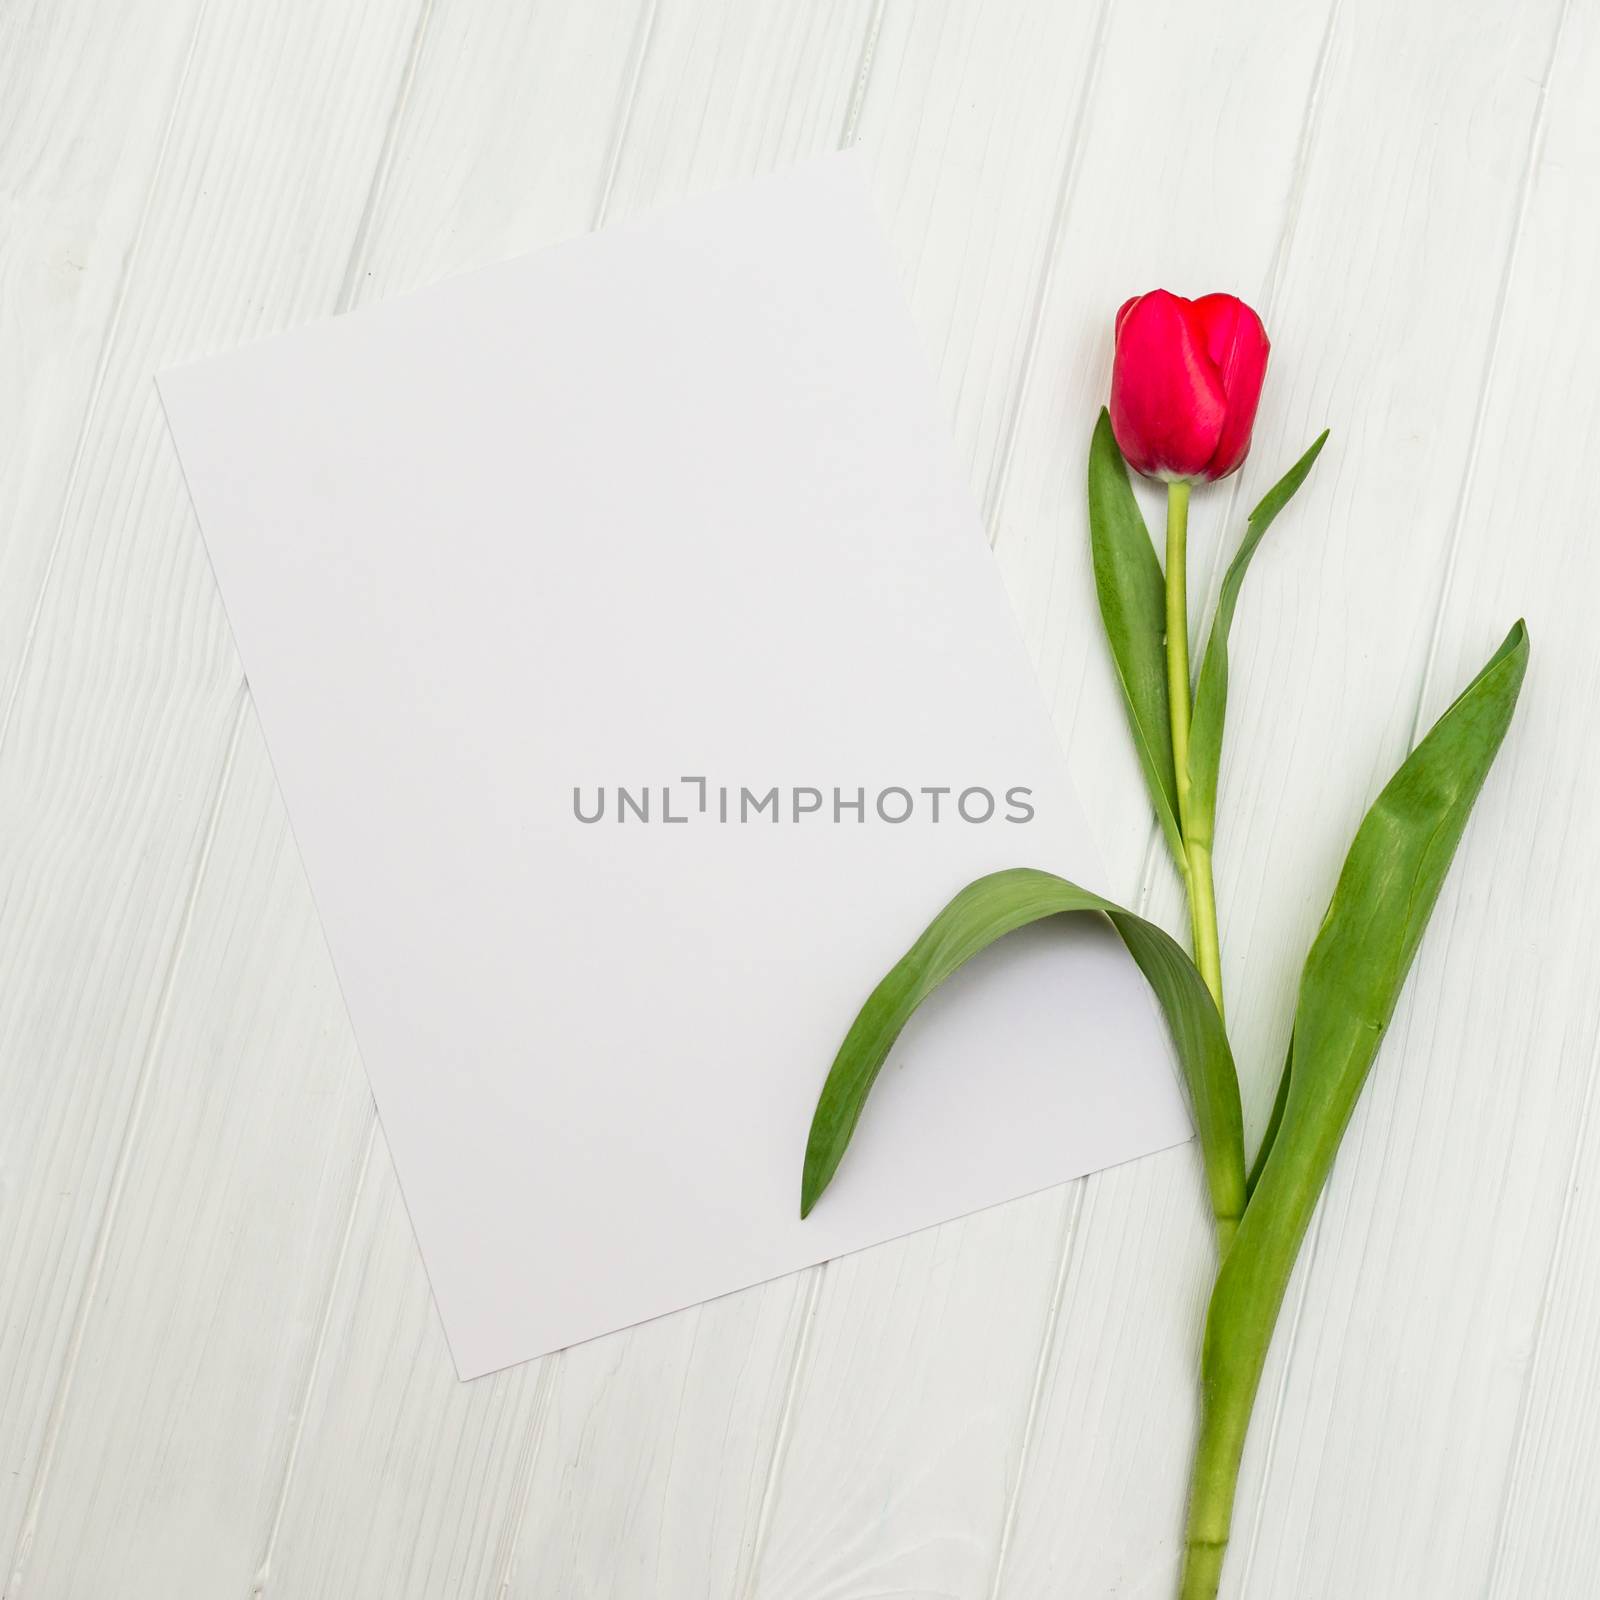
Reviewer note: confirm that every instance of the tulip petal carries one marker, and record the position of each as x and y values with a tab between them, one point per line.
1168	402
1237	346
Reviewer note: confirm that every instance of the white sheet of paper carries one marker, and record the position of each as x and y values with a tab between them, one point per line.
670	502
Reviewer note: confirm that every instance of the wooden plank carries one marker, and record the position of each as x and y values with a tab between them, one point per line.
125	705
971	224
909	121
641	1459
511	130
204	1315
186	1418
971	123
413	1497
915	1411
73	209
654	1460
728	92
1381	309
1438	1316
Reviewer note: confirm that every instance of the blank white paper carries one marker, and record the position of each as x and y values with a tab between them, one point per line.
670	507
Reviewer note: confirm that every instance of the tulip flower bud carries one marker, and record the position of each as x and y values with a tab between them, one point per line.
1185	384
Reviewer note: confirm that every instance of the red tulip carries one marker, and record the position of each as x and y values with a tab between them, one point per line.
1185	384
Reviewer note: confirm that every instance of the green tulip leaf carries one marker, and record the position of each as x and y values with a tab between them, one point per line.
984	911
1211	688
1274	1122
1348	992
1132	594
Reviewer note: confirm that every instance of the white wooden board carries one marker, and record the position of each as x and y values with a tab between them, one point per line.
220	1372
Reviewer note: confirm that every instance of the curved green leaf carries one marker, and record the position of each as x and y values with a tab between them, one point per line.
1274	1121
1211	688
1348	991
984	911
1127	579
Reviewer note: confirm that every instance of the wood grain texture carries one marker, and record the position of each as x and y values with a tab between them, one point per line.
1124	1340
285	1325
1356	321
214	1276
127	691
83	130
957	1426
1537	1282
72	211
220	1370
616	1495
1374	1321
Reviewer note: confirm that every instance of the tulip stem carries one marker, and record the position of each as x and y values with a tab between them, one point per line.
1197	875
1203	914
